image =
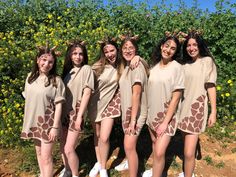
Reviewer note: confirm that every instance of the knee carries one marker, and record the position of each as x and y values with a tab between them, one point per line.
129	147
68	150
159	154
189	155
104	139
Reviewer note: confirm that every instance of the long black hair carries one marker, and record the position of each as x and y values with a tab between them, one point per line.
68	64
202	46
156	54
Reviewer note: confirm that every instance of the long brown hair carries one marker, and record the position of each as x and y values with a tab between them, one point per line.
102	59
35	69
68	64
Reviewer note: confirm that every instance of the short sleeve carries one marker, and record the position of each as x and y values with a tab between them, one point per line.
211	72
60	91
138	75
88	76
179	79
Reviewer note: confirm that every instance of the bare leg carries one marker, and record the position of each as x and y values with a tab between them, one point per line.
104	143
37	144
131	154
160	147
47	162
62	147
190	143
73	159
97	128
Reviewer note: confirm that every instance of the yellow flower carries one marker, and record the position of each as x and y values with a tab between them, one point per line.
229	81
227	94
218	87
49	16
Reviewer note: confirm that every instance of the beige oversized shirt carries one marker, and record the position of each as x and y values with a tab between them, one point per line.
194	111
128	79
162	83
40	104
105	101
76	81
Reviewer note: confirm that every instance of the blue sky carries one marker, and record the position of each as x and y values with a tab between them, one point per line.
202	4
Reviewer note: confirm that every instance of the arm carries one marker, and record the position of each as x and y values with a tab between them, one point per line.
136	95
170	112
84	102
211	90
135	62
56	124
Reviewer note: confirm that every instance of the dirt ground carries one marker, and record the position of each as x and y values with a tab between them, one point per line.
214	158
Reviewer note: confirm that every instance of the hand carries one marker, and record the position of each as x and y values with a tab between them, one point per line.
161	129
135	62
212	120
131	130
78	123
53	134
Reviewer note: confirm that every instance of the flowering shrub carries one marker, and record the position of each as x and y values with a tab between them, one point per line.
25	25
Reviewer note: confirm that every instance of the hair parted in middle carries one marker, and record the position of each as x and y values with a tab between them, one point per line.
45	50
68	64
156	54
202	45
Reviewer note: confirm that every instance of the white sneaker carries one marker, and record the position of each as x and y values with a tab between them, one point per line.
95	170
65	173
147	173
103	173
122	166
182	174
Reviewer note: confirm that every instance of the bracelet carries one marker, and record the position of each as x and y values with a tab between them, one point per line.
55	128
133	120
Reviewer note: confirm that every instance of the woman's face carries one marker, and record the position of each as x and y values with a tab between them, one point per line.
192	48
168	49
110	52
77	57
45	63
128	51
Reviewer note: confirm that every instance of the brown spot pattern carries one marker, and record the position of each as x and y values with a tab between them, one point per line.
126	122
113	108
160	117
194	122
44	125
73	117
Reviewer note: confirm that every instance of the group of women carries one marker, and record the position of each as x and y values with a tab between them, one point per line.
172	95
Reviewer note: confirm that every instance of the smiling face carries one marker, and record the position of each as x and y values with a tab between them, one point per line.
192	49
128	51
168	49
77	57
110	53
45	63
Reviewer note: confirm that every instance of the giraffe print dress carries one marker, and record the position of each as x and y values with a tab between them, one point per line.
76	81
39	110
194	110
128	79
162	83
105	101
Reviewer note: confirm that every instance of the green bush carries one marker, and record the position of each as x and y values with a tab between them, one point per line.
25	24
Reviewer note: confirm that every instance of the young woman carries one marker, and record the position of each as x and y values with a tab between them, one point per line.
200	81
104	104
133	86
44	95
165	86
79	80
